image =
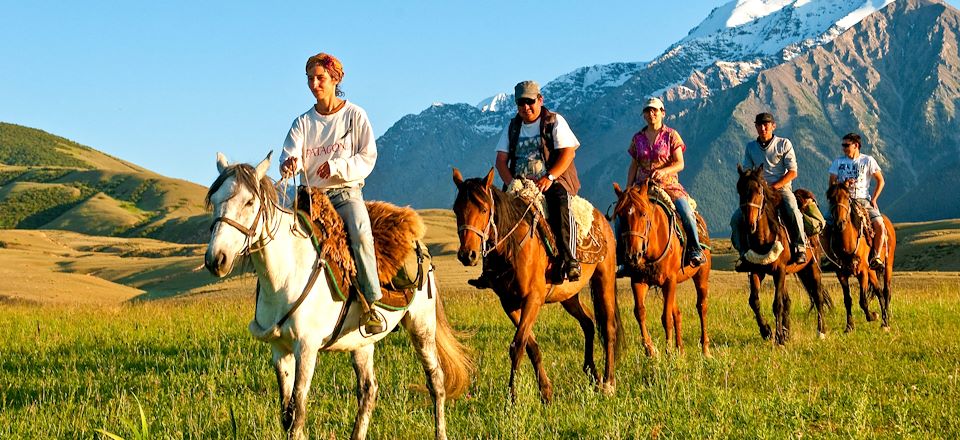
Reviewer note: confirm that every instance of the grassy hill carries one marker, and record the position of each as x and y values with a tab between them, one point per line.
47	181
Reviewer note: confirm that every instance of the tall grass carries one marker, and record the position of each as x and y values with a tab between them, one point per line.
68	372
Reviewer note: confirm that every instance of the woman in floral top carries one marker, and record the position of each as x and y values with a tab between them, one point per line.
657	153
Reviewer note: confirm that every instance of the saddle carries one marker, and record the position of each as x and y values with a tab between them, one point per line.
591	247
402	259
660	197
860	218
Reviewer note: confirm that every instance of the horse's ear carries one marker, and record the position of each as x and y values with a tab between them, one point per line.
222	163
643	188
263	166
740	169
489	180
457	177
758	169
617	190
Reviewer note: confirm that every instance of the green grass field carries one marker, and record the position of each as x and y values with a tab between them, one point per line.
66	371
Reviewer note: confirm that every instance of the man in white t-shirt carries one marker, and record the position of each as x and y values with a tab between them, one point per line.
539	145
856	170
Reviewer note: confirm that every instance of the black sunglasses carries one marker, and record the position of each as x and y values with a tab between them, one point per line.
526	101
846	144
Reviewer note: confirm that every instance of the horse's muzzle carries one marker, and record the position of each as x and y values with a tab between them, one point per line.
468	257
633	259
217	263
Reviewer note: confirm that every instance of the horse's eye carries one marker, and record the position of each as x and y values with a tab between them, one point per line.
250	202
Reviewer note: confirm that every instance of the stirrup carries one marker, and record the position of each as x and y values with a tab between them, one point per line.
572	270
372	322
695	257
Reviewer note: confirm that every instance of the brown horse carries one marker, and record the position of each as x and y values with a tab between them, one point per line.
767	255
848	246
653	254
502	228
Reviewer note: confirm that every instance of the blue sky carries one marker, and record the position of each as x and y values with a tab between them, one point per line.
168	84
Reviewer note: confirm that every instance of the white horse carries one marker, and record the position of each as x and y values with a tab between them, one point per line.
297	313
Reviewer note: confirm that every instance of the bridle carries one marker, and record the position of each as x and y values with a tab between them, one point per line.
250	232
490	236
759	206
645	236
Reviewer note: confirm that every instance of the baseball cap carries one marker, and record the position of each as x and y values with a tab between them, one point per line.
654	103
526	89
763	118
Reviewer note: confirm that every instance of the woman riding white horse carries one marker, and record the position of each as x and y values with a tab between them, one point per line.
297	312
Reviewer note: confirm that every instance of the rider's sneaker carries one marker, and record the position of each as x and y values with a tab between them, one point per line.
799	256
622	271
876	263
573	270
484	281
695	257
741	265
372	322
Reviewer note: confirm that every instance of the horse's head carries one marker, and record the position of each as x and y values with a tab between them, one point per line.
839	197
474	210
243	200
633	209
753	192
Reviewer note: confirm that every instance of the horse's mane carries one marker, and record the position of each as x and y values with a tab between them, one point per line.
631	197
245	175
837	191
508	211
755	176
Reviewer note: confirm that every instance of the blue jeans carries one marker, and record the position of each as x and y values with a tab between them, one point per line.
356	220
689	220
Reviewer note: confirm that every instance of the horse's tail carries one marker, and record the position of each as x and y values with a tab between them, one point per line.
457	366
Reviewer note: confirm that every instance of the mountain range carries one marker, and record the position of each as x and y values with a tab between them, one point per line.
887	70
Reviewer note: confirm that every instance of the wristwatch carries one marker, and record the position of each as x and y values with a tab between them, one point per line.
551	177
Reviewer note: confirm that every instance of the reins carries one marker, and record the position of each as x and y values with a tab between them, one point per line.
645	236
494	237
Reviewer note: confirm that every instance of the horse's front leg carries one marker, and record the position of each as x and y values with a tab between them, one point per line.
640	290
306	360
864	304
284	365
844	280
366	390
781	307
671	315
755	280
529	309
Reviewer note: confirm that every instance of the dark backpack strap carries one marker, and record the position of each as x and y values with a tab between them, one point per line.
513	138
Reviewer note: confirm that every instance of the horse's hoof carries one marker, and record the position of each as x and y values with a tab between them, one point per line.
651	353
885	328
707	354
765	332
848	329
821	335
608	389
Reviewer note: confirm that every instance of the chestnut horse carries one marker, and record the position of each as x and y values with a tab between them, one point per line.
768	253
502	228
848	246
653	255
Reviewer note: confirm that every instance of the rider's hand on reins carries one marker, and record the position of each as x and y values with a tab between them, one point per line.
288	167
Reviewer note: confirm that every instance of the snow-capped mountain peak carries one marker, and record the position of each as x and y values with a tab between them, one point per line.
496	103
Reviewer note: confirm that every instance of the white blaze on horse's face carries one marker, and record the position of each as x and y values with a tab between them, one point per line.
239	204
